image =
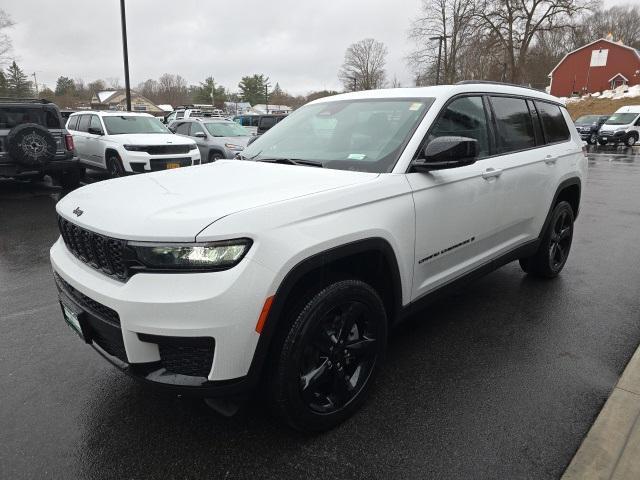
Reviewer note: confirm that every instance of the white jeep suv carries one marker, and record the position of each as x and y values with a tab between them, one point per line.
127	142
291	264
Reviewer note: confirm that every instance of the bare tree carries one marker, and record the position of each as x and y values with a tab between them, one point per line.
113	83
172	89
621	21
515	23
453	21
5	41
363	67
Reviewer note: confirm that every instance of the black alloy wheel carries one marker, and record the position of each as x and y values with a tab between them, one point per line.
328	357
338	358
114	167
561	235
555	243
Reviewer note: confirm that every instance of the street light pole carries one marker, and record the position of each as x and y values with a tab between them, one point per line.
125	52
266	98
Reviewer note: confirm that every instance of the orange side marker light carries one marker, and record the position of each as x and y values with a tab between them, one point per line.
264	314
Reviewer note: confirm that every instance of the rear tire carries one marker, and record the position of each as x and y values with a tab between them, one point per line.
326	362
553	251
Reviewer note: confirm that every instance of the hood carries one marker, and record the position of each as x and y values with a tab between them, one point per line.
612	128
151	139
175	205
242	141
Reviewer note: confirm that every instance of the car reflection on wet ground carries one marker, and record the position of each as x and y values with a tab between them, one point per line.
500	380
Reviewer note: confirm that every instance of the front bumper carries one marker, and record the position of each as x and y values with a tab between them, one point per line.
152	320
142	162
612	137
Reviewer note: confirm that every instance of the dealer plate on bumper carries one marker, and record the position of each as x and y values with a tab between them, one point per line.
172	165
72	317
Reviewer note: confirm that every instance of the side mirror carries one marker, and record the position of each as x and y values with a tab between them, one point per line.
199	135
446	152
95	131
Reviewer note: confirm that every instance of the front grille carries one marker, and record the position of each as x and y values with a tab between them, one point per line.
166	149
87	303
161	163
192	356
100	252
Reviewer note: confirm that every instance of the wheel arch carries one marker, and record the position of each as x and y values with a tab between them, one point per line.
569	190
362	259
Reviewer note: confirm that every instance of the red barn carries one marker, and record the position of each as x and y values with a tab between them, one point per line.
600	65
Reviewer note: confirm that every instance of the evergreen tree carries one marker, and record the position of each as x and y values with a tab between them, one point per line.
65	86
18	84
3	84
252	88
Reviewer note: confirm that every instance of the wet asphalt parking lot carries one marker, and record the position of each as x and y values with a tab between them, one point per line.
500	380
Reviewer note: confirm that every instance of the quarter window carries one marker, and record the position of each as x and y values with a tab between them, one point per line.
95	123
464	117
73	123
514	125
553	123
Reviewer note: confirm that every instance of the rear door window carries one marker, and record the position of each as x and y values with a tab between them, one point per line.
464	117
95	123
83	124
182	128
553	123
514	124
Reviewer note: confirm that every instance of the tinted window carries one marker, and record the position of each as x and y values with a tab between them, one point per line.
267	122
73	123
13	116
514	125
464	117
182	128
553	124
83	124
95	123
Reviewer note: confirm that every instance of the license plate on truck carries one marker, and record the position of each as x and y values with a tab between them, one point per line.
172	165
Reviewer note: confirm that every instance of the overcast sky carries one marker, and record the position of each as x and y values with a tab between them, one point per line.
298	43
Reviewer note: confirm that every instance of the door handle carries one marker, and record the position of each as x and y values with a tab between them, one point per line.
550	159
491	173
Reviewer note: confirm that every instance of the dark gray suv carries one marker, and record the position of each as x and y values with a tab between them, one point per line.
217	138
34	142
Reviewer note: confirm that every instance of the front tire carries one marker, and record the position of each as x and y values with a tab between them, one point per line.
328	358
631	140
553	251
114	166
214	157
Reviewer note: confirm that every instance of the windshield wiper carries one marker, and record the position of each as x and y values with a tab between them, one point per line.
292	161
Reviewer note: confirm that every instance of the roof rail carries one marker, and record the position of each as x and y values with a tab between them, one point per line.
492	82
23	100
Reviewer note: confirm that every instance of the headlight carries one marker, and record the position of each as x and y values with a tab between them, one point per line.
193	146
191	256
135	148
233	146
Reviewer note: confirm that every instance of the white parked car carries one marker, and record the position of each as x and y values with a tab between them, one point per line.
621	127
291	266
127	142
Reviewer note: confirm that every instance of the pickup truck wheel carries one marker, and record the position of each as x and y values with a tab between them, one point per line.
114	166
631	140
330	356
555	245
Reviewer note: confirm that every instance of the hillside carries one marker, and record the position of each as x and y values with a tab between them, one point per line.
599	106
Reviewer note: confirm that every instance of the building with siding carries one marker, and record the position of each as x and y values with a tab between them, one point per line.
595	67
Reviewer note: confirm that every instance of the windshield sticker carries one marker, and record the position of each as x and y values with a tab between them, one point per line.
415	106
356	156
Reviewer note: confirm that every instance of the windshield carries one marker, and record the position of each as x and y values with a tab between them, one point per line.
361	135
122	124
621	119
226	129
588	119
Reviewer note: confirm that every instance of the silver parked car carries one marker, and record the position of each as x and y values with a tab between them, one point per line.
216	138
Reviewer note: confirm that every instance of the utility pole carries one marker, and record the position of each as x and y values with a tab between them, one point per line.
266	98
125	52
440	38
213	90
35	82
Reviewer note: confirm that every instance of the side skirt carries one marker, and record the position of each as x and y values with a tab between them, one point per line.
523	251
